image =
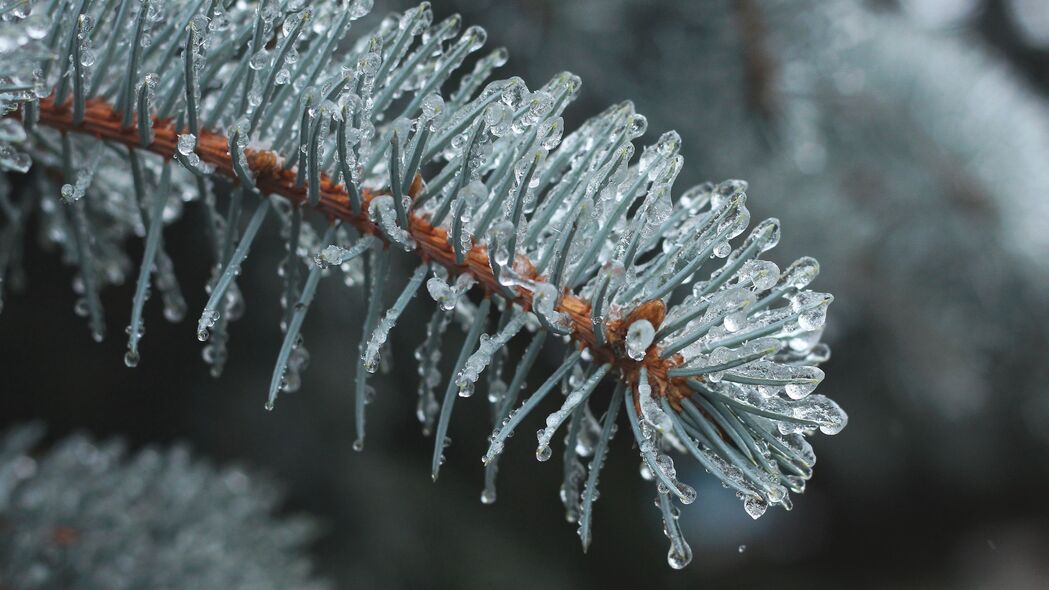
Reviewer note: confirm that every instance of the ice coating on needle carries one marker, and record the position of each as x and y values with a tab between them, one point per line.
447	295
382	330
556	419
487	347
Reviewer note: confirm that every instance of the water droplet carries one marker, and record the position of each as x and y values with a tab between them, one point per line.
679	557
87	58
638	338
476	36
68	193
638	125
755	506
543	453
359	8
432	106
260	60
186	143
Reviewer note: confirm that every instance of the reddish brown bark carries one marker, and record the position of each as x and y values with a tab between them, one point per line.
271	177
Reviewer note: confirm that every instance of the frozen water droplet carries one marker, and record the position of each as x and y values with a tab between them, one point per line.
208	318
687	494
87	58
466	389
544	302
131	359
679	559
763	274
812	307
330	255
476	36
735	321
368	64
755	506
86	24
543	453
498	117
809	378
638	338
186	143
653	415
645	472
259	60
432	107
638	125
359	8
801	272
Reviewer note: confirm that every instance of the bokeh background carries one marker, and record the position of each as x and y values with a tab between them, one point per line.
904	143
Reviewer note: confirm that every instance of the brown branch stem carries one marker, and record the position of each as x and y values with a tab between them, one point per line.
271	177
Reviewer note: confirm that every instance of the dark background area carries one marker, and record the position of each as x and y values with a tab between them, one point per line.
938	332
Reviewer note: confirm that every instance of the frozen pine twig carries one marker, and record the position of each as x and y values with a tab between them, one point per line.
564	234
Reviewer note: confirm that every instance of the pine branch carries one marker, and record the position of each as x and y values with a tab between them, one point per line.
101	121
565	235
